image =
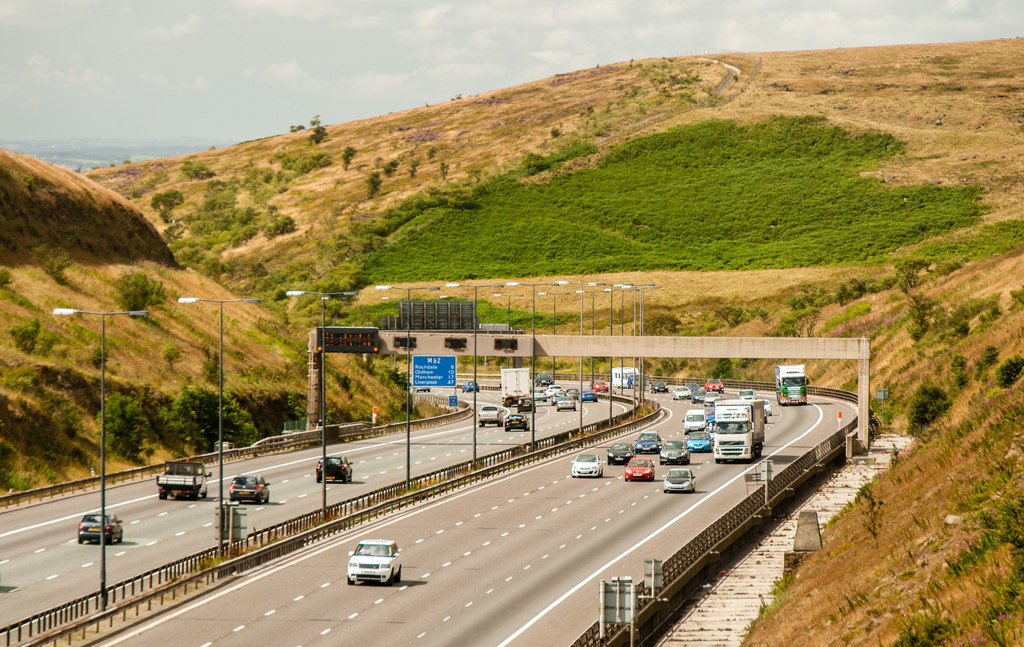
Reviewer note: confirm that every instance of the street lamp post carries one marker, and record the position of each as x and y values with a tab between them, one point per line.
103	432
408	376
322	384
476	325
533	353
220	413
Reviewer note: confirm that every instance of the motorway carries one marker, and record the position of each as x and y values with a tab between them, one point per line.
511	561
42	564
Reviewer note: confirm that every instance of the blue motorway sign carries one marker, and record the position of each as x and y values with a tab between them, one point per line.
453	401
429	370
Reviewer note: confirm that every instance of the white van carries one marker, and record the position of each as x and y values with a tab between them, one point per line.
694	420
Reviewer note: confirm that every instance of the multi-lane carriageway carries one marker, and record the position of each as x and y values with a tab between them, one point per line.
511	561
42	564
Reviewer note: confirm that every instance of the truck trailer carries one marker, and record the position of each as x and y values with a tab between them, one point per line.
515	383
739	430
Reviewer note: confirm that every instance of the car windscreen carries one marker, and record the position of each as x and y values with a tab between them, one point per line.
586	458
620	447
673	444
700	435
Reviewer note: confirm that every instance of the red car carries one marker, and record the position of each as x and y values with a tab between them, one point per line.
640	469
714	385
600	386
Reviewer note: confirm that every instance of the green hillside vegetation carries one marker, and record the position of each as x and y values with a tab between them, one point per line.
715	195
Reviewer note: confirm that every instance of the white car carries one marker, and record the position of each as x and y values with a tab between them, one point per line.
681	393
587	465
768	407
375	560
747	394
679	479
710	397
694	420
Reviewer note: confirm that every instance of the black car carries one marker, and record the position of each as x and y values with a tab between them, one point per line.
620	453
516	421
89	529
659	386
249	488
525	403
543	379
338	469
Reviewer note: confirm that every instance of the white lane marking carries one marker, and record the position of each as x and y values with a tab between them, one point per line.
138	520
152	542
268	613
85	565
378	600
644	540
353	615
298	598
446	619
39	551
52	577
325	585
325	631
238	628
121	553
422	634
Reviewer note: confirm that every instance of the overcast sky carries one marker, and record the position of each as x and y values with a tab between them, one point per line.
233	70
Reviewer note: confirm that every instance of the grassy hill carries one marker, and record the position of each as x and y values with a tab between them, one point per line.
849	192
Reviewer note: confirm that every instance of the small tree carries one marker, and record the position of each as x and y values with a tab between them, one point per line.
135	291
165	202
414	165
927	404
347	155
373	183
443	167
196	170
5	277
171	354
390	168
908	273
319	133
126	427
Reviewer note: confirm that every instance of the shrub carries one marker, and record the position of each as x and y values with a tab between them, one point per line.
53	262
5	277
927	404
284	224
135	291
959	366
1009	371
196	170
25	335
347	155
171	354
988	358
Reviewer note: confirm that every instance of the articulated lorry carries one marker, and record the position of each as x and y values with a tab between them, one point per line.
790	384
515	383
739	430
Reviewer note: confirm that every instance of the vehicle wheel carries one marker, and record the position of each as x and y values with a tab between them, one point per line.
398	575
686	462
717	461
80	540
351	582
163	495
120	538
318	478
390	580
203	494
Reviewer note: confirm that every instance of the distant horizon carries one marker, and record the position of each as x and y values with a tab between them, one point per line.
82	154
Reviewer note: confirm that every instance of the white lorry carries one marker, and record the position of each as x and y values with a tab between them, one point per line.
739	430
182	478
515	383
790	384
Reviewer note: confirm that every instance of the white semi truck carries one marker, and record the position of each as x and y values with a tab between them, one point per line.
790	384
515	383
739	430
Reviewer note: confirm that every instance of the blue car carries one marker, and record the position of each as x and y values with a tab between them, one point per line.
588	396
648	442
698	441
469	387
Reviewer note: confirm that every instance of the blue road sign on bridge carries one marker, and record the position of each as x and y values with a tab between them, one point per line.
430	370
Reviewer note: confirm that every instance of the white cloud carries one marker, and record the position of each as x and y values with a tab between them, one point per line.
76	74
379	84
160	82
424	18
186	28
